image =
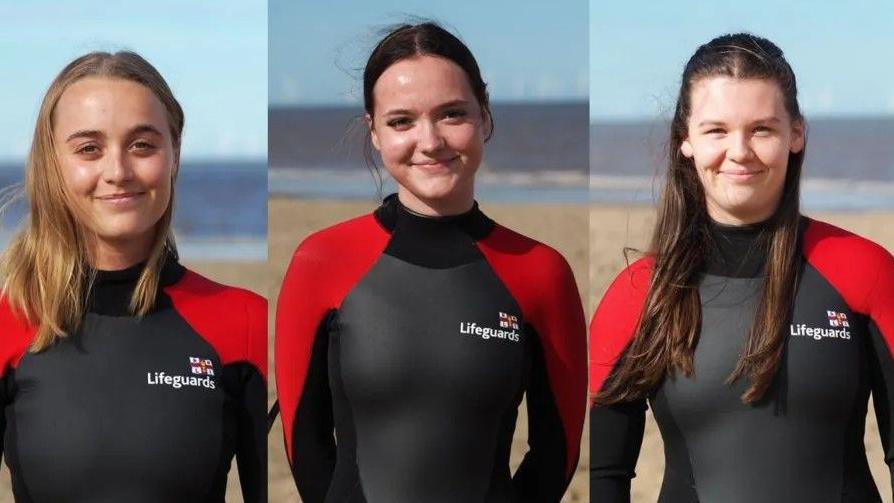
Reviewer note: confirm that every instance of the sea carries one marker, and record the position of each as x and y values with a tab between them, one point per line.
220	212
551	152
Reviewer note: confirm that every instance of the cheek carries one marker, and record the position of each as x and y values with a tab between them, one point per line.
707	154
80	179
395	147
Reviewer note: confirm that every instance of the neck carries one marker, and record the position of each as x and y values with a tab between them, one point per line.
442	207
120	254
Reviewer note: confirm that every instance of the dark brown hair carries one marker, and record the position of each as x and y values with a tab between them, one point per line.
670	322
425	38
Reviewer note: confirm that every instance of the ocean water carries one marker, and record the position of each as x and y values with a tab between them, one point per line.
538	152
849	163
220	213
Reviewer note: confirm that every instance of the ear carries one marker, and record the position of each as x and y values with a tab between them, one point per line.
486	124
372	131
686	148
799	135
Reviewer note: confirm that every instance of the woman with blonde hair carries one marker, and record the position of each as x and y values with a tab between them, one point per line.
123	375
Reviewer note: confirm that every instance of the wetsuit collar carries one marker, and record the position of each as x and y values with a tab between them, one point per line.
111	290
738	251
473	222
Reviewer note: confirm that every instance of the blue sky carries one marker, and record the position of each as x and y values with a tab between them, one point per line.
213	55
840	51
526	51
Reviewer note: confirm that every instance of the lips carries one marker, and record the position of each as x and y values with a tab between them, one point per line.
435	165
120	198
742	175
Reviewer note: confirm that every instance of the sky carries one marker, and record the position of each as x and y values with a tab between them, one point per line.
213	55
527	51
840	52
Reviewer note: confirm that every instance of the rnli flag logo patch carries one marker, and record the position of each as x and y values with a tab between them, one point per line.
837	319
508	321
201	366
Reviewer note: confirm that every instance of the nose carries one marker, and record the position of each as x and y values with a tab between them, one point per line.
430	138
117	169
739	149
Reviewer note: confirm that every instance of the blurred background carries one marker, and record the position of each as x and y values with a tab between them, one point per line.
214	57
535	169
846	90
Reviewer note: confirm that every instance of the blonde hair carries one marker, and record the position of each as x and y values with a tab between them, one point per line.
45	269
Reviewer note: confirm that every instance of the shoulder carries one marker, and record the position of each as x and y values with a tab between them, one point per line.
633	280
825	244
16	335
506	246
233	320
342	238
861	270
616	317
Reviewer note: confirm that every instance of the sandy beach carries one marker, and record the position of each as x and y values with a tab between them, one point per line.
562	227
614	227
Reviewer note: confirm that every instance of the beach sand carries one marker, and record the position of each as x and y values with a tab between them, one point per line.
562	227
614	227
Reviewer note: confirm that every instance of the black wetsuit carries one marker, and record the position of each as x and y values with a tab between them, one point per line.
139	410
414	339
803	442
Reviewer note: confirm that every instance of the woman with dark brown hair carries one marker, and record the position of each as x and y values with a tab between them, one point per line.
407	338
755	334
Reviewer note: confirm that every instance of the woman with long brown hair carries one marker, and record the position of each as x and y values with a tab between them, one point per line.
123	375
756	334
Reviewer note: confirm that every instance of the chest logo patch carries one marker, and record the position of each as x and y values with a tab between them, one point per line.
508	330
202	370
837	321
201	366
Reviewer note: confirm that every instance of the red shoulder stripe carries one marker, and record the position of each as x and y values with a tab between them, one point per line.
232	320
323	270
616	318
542	283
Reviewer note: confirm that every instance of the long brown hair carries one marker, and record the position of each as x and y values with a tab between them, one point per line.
669	325
45	268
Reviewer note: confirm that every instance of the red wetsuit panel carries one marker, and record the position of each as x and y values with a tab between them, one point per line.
323	270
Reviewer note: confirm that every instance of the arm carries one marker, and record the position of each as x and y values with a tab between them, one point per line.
881	330
302	380
251	418
616	431
556	394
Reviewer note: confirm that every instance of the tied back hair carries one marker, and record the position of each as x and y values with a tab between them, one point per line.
670	322
45	269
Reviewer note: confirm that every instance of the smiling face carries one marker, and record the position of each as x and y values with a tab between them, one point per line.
430	130
739	138
118	161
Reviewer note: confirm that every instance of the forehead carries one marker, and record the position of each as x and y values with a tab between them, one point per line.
726	98
107	104
419	82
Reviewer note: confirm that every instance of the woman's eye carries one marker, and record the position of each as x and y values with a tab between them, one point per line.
455	114
762	130
716	130
399	122
143	145
87	149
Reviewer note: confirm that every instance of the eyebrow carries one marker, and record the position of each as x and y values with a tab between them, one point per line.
766	120
94	133
452	103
